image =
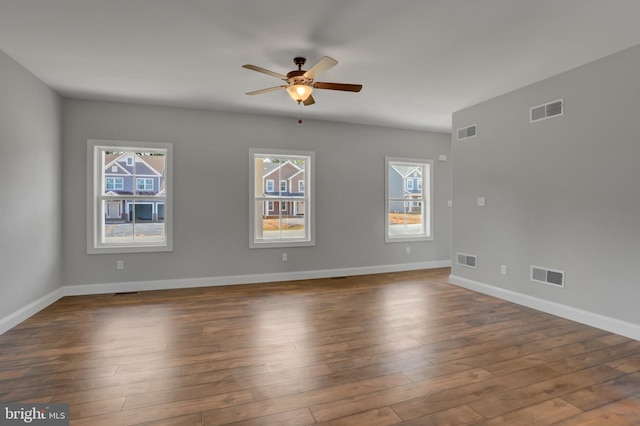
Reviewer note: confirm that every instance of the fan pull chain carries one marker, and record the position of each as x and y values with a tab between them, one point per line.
300	113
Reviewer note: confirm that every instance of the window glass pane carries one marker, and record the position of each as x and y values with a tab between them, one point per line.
146	171
293	226
130	221
110	170
147	229
267	220
117	227
406	220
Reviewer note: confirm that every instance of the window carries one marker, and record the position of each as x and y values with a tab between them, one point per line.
291	222
408	205
114	184
131	213
301	186
144	184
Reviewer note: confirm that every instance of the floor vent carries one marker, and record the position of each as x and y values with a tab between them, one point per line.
548	110
467	260
467	132
125	293
547	276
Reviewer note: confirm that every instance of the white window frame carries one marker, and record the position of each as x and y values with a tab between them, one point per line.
283	185
425	197
301	186
270	185
255	241
410	184
96	195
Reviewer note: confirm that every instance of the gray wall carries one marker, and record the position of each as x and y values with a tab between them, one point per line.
562	193
30	170
211	160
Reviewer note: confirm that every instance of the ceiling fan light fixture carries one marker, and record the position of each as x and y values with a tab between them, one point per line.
299	92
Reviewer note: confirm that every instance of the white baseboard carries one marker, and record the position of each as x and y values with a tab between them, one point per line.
25	312
602	322
22	314
78	290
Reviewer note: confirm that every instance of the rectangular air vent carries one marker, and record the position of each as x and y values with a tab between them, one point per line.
547	276
467	132
548	110
467	260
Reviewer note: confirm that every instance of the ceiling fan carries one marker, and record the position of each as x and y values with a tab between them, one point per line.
300	83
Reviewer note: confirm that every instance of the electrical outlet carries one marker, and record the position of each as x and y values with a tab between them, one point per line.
408	250
120	264
284	257
503	269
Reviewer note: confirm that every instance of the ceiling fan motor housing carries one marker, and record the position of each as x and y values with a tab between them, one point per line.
297	77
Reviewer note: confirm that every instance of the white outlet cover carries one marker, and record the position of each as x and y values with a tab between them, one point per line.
481	202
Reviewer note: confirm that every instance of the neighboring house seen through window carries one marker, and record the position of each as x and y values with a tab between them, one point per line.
282	217
129	197
408	205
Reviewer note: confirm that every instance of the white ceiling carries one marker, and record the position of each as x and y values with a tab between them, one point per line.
419	60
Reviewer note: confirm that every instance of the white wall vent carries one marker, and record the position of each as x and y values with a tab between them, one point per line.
547	276
467	260
467	132
548	110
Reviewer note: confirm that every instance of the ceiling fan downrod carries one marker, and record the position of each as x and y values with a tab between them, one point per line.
299	61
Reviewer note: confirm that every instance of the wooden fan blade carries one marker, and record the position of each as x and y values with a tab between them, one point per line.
309	101
319	67
265	71
338	86
270	89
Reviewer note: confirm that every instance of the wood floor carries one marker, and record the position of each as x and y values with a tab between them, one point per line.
402	348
